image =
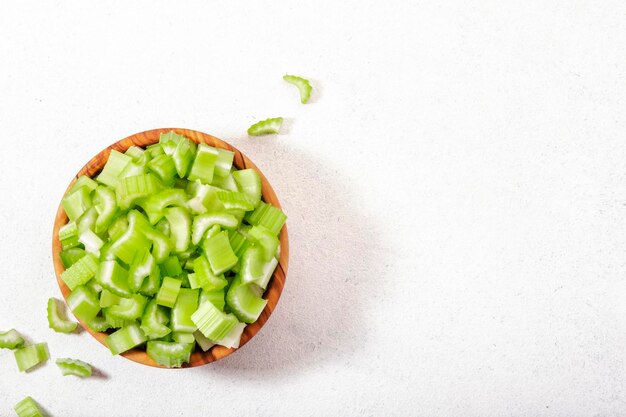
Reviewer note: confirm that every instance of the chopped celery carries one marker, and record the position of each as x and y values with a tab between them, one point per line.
91	241
154	205
80	272
107	298
154	150
125	339
267	215
215	297
135	152
163	167
131	189
151	285
11	339
213	323
114	321
169	292
88	220
249	183
30	356
171	267
169	354
219	253
117	228
261	236
183	337
68	235
235	200
131	170
114	277
129	308
98	324
56	322
132	241
238	242
161	244
183	155
266	127
224	162
142	267
116	163
106	207
94	286
244	302
84	303
204	164
180	225
225	183
154	321
204	343
255	269
204	221
27	408
303	86
74	367
70	256
186	304
77	203
233	338
83	181
203	277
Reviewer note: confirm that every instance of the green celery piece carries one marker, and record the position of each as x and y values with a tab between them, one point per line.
116	163
56	322
225	183
203	222
132	241
154	150
140	269
163	166
266	127
169	354
238	242
244	302
30	356
131	170
106	252
254	267
83	181
184	156
224	162
249	183
74	367
267	215
129	308
135	152
219	253
131	189
180	225
186	304
171	267
181	183
233	338
94	286
154	321
77	203
88	220
163	226
171	136
84	303
154	205
107	298
114	321
114	277
91	242
27	408
203	276
184	277
204	343
118	227
204	164
235	200
183	337
125	339
106	206
168	292
213	323
68	235
151	285
80	272
215	297
161	244
11	339
263	237
98	324
303	85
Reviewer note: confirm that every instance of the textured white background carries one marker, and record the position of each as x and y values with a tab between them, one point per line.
456	196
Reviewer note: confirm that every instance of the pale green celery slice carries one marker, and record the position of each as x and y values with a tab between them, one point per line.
80	272
114	277
115	165
161	244
267	215
169	354
203	222
219	253
83	181
233	338
129	308
11	339
163	226
204	343
169	292
117	228
180	226
255	269
70	256
142	266
303	85
235	200
27	408
171	267
238	242
135	152
30	356
266	127
213	230
203	277
263	237
154	205
132	170
76	203
94	286
203	164
107	298
56	322
74	367
114	321
131	189
183	337
224	162
91	241
84	303
88	220
154	321
68	235
106	206
213	323
155	150
133	239
98	324
215	297
163	166
249	183
125	339
186	304
183	156
244	302
203	196
225	183
151	285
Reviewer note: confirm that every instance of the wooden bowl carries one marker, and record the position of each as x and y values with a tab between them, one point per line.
275	286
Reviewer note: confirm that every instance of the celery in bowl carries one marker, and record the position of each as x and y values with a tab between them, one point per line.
170	248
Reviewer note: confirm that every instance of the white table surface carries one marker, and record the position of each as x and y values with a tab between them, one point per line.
456	194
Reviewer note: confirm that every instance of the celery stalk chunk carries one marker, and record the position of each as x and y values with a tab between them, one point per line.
125	339
219	253
74	367
213	323
215	297
244	302
11	339
249	183
186	304
116	163
204	164
164	168
30	356
130	189
141	268
266	127
182	337
114	277
267	215
204	343
56	322
224	162
169	354
303	85
68	235
203	277
154	321
180	226
170	287
129	308
233	200
233	338
83	181
27	408
80	272
70	256
264	238
106	206
203	222
77	203
84	303
255	269
98	324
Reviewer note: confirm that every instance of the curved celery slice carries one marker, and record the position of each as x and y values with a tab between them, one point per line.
238	242
255	269
154	205
151	285
131	189
27	408
235	200
91	241
88	220
118	227
74	367
203	198
163	167
84	303
30	356
267	215
94	286
107	298
80	272
70	256
83	181
249	183
244	302
183	337
11	339
180	226
116	163
171	267
56	322
129	308
114	277
225	183
114	321
170	354
203	222
77	203
125	339
183	156
104	199
98	324
186	304
142	267
203	277
266	127
303	86
219	253
154	321
68	235
204	164
213	323
204	343
169	292
135	152
264	238
224	162
215	297
133	240
161	244
233	338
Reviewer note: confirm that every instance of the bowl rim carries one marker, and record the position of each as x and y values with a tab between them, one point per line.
241	161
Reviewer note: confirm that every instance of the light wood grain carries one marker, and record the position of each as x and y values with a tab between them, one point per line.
276	284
